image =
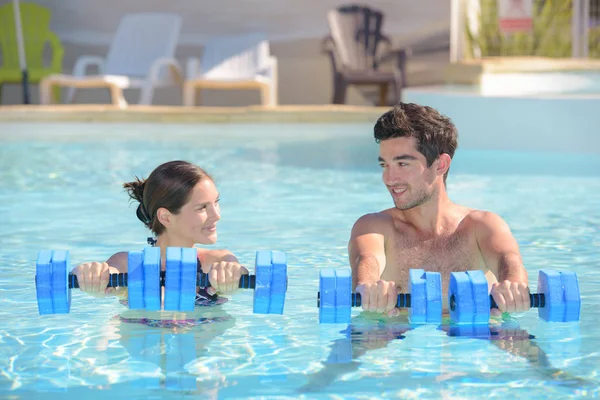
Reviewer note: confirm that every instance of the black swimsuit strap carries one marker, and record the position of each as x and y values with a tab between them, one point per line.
203	292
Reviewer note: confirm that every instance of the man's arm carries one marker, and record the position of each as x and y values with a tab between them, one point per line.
502	257
366	249
499	248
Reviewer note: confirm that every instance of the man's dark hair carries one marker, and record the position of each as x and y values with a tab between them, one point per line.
434	133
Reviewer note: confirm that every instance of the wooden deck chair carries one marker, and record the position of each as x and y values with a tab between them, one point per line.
357	48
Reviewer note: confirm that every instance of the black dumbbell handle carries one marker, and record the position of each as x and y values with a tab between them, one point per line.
246	281
356	300
537	300
120	280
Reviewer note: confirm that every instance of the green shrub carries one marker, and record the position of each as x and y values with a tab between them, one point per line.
550	37
594	42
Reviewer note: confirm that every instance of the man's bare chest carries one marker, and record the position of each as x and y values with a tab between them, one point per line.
456	252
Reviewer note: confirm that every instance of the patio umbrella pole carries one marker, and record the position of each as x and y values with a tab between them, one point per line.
21	49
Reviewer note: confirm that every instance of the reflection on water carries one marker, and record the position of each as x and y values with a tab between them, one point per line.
364	335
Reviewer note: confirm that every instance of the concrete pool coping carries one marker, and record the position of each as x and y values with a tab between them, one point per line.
471	71
180	114
250	114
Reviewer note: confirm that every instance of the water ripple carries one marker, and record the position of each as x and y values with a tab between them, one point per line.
294	190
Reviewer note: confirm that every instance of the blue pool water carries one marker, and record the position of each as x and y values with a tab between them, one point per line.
298	189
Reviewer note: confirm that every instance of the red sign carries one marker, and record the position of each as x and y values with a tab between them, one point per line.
515	15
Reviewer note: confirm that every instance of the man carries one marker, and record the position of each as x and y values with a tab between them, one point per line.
425	229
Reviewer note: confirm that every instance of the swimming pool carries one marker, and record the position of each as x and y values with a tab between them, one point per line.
295	188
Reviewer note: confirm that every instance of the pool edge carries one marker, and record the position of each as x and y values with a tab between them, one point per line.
179	114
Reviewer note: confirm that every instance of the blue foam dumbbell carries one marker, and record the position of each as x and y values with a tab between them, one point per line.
269	282
335	298
145	279
53	281
557	299
142	280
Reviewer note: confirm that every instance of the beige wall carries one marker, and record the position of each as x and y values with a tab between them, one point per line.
293	27
304	77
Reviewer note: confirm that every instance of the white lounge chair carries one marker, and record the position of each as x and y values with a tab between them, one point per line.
141	56
233	62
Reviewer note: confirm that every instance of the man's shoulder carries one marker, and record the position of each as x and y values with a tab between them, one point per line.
482	216
483	220
384	216
375	222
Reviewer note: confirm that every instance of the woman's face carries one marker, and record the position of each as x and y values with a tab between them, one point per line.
197	220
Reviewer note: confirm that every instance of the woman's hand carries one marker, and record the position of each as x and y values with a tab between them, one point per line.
224	276
93	278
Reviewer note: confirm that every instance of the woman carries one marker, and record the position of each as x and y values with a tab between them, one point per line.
179	203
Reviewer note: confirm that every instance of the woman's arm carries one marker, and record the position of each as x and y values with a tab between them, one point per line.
223	268
209	257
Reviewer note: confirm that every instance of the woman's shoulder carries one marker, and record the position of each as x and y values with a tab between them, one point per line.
119	261
209	256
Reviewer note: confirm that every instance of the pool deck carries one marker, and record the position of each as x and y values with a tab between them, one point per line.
179	114
467	74
470	72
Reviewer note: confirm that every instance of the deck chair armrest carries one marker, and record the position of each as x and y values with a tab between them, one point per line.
168	62
328	47
273	61
397	55
269	69
83	62
272	68
327	44
386	39
390	51
192	68
385	50
58	51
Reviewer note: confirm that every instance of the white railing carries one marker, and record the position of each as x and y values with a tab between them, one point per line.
580	28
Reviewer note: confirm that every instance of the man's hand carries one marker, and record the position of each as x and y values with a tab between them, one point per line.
510	297
380	297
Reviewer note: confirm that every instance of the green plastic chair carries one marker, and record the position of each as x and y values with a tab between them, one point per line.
36	35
